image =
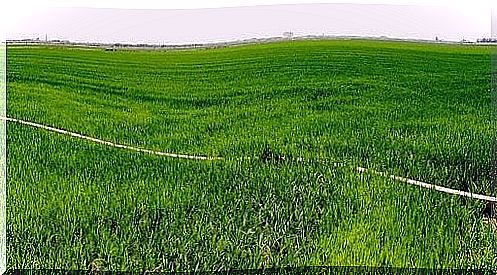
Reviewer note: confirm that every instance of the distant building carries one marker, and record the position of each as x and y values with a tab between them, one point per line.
288	35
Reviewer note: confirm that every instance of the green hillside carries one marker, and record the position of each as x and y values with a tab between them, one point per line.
415	110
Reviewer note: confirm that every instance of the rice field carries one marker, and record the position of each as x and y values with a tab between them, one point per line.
415	110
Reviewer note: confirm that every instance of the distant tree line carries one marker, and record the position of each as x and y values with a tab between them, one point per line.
487	40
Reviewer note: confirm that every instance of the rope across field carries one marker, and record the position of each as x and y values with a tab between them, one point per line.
207	158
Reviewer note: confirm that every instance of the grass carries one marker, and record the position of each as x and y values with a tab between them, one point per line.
416	110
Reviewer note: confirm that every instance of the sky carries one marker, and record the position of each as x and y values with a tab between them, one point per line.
190	21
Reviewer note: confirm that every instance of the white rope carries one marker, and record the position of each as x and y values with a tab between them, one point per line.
432	186
107	142
359	169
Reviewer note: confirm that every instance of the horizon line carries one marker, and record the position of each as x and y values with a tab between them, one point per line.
243	41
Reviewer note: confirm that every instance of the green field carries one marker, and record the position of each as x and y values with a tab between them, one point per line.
415	110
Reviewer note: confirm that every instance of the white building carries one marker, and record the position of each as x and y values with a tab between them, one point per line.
288	35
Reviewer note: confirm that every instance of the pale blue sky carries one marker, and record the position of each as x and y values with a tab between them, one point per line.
176	26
